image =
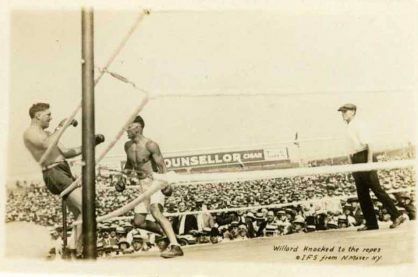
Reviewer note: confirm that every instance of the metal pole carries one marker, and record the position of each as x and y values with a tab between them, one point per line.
88	134
64	228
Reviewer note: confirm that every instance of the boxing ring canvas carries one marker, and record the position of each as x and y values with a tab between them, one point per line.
243	100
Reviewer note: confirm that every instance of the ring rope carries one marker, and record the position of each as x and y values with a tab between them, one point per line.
323	170
280	205
101	73
123	172
121	78
221	93
110	146
152	189
123	43
228	177
124	127
290	172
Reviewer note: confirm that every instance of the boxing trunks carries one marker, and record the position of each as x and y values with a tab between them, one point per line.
57	177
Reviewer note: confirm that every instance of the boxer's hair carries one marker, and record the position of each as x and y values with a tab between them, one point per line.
38	107
140	120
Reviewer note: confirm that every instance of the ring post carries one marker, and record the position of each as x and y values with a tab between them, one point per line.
88	136
64	228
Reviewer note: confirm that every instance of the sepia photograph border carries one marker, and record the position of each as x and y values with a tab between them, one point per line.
181	267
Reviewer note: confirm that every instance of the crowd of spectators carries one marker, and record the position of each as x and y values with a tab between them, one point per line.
294	205
33	203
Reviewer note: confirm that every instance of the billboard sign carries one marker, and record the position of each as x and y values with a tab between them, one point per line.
222	158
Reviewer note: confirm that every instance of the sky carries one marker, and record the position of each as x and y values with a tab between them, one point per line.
303	64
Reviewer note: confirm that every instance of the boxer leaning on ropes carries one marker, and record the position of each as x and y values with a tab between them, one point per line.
55	169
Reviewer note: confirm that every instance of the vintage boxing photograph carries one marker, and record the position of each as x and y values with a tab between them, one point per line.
269	133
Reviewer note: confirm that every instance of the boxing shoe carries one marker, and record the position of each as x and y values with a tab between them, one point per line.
172	251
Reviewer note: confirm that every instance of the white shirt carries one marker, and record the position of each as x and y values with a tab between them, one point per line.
357	136
330	204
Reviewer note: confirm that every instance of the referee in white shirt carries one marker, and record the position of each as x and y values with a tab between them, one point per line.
360	152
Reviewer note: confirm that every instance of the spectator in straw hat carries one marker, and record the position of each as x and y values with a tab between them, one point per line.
360	151
298	225
356	211
332	224
250	219
231	232
113	239
259	224
270	217
272	229
120	232
284	226
384	215
105	239
348	215
123	244
137	242
405	202
233	229
342	222
242	231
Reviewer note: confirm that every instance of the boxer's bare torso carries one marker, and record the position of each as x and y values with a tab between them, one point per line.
139	156
35	139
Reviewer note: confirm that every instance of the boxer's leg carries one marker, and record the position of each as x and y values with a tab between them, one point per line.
74	201
156	211
139	220
156	207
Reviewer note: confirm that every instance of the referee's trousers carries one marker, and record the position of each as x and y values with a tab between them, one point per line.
366	181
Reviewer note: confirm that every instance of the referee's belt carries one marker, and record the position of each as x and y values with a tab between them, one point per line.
47	167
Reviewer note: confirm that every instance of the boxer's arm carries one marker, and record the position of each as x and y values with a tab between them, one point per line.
69	153
39	139
128	164
157	157
158	160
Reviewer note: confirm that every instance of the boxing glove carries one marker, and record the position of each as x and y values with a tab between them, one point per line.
99	138
120	185
167	191
73	122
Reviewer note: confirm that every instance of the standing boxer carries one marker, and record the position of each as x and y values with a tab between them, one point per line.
143	157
